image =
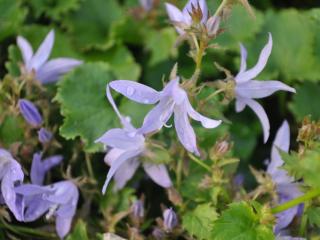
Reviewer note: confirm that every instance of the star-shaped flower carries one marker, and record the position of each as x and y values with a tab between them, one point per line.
286	188
45	71
11	175
247	89
194	9
59	199
127	145
173	99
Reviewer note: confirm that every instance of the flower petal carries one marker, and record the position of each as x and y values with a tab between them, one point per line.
43	52
63	226
158	173
244	54
127	155
53	69
263	58
206	122
260	112
157	117
176	16
136	91
261	89
119	138
184	129
240	105
26	50
125	173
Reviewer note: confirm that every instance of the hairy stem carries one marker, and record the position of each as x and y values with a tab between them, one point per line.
199	162
294	202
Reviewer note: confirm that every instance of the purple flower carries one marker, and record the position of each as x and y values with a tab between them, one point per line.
247	89
158	233
44	135
30	112
146	4
46	71
172	99
11	175
127	145
137	209
285	186
59	199
40	167
183	19
170	219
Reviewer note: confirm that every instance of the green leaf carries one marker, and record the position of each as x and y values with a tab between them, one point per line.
313	214
14	58
11	17
91	22
164	49
11	130
306	168
53	9
199	223
84	105
303	103
79	232
241	222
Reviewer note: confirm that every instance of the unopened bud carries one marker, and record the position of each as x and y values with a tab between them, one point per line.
44	135
137	209
220	149
170	219
30	112
158	234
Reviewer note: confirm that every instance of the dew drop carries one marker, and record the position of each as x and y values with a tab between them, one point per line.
130	91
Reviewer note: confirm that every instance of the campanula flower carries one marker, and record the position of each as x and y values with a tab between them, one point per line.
44	135
170	219
247	89
285	187
127	145
137	209
11	175
146	4
59	199
30	112
40	167
195	12
45	71
173	99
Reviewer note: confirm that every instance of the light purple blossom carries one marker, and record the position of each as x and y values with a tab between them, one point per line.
170	219
286	188
59	199
40	167
46	71
127	145
146	4
44	135
171	100
247	89
183	20
11	175
30	112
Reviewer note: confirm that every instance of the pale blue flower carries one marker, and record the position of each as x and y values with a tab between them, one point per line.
59	200
286	188
44	135
40	167
45	71
247	89
30	112
11	174
127	145
171	100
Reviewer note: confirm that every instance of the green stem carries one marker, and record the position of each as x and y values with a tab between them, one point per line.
179	171
220	8
89	166
294	202
199	162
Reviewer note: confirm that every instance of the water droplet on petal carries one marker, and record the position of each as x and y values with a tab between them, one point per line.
130	91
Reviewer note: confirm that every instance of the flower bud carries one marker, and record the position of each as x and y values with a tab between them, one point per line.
220	149
158	234
213	25
30	112
170	219
44	135
137	209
